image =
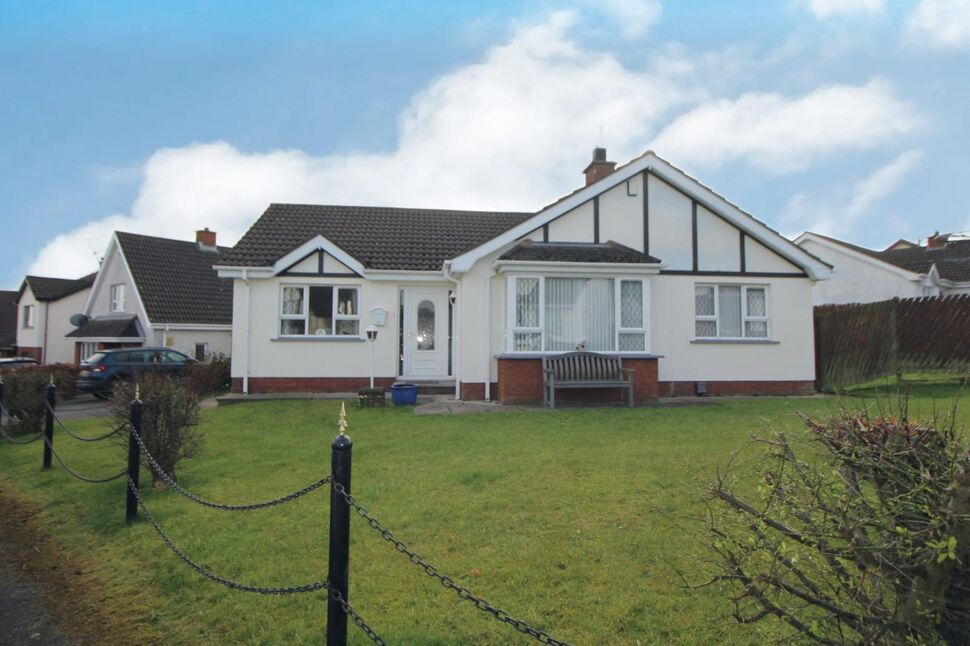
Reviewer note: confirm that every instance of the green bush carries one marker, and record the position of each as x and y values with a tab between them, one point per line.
170	418
208	377
24	394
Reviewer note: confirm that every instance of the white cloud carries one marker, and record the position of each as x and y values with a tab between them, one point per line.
510	132
805	212
825	9
634	17
939	24
779	134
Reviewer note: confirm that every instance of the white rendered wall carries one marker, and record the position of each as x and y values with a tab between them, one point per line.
114	271
621	215
671	237
575	226
790	356
60	349
30	337
760	258
718	243
858	281
219	342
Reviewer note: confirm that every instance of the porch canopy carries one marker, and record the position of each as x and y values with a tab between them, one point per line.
116	329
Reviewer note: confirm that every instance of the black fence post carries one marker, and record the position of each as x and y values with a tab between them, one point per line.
50	396
134	458
339	569
2	403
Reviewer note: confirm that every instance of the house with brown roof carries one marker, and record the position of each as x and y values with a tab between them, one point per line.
44	310
643	262
904	269
154	291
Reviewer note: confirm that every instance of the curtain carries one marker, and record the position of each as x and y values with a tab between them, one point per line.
729	306
579	314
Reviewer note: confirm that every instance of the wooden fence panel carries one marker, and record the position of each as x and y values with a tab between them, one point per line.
855	343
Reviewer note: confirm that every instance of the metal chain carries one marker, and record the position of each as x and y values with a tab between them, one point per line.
215	505
14	440
81	437
429	569
357	619
78	475
233	585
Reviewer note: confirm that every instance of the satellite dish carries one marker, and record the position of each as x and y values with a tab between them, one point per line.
78	320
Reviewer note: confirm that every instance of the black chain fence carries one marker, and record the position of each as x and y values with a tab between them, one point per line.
341	491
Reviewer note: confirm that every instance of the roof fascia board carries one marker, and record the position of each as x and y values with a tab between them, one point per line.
610	268
112	245
109	339
245	273
380	275
679	180
314	244
858	255
212	327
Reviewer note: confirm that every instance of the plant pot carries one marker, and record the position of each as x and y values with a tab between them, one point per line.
404	394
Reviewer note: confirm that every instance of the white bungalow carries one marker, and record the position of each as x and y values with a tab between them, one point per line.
643	262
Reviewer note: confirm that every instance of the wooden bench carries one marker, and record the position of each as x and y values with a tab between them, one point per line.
584	370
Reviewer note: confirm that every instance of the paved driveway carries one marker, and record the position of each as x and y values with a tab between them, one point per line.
82	407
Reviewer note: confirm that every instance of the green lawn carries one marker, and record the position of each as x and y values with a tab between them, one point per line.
577	521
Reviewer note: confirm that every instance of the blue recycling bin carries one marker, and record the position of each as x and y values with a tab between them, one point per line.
404	394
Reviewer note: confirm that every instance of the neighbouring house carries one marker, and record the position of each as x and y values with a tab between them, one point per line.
940	267
158	292
44	310
644	262
8	323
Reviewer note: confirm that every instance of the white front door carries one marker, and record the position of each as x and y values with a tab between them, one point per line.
426	332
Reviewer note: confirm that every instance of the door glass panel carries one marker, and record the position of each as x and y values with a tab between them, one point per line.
426	325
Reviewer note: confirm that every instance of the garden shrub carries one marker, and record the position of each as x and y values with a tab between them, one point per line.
862	536
208	377
24	392
170	418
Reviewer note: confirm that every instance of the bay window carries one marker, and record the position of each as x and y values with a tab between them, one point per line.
319	310
730	312
564	314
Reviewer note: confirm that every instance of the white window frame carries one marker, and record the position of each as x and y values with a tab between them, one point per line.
116	297
513	328
195	350
745	318
28	317
305	315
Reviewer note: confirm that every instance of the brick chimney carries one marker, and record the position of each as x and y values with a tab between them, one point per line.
599	167
205	238
937	241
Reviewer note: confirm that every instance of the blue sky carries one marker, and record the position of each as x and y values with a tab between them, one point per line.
843	116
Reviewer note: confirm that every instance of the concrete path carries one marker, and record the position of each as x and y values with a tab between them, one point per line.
23	617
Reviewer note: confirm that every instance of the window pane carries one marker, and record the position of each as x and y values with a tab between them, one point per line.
579	313
630	342
321	311
756	302
705	329
347	302
527	341
527	302
426	325
292	326
631	304
758	329
347	328
293	300
729	306
704	301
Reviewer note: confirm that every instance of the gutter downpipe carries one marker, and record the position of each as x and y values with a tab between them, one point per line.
446	267
488	332
47	317
249	318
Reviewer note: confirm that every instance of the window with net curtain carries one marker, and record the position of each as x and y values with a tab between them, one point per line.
319	310
554	314
730	312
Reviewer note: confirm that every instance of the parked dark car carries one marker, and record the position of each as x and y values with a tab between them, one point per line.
12	363
100	372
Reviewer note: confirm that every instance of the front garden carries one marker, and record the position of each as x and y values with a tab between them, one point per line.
581	522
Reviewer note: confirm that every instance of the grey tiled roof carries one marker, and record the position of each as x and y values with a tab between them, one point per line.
8	319
52	289
176	281
108	328
378	237
951	260
577	252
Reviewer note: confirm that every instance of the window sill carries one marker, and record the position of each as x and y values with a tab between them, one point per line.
737	341
318	339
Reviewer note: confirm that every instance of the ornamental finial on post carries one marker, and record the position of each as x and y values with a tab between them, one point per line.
137	391
52	379
342	422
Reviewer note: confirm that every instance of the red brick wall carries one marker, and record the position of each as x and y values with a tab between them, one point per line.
35	353
308	384
686	388
520	382
475	391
